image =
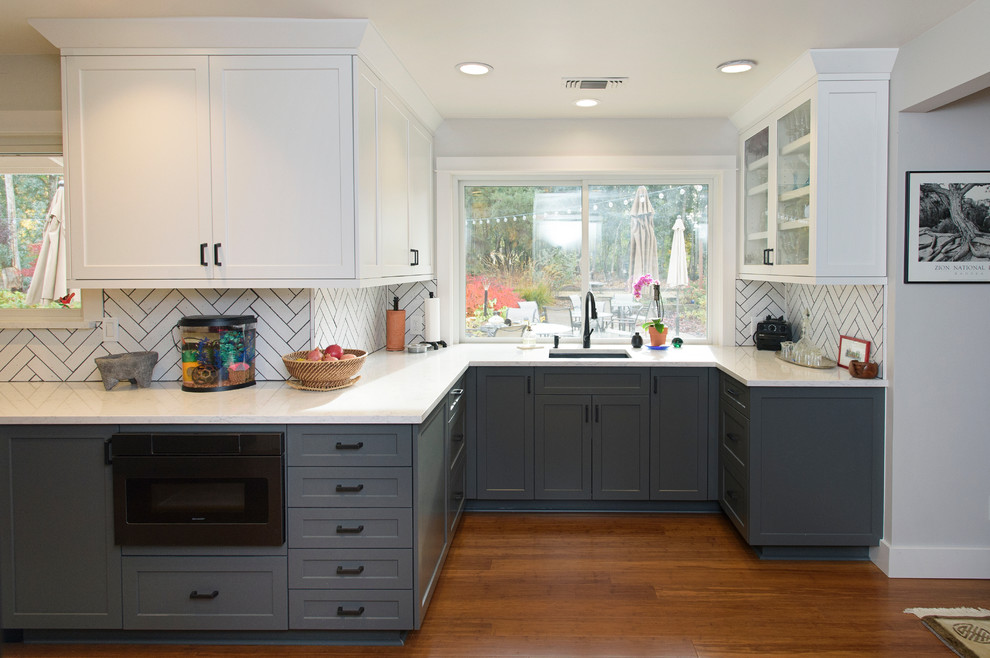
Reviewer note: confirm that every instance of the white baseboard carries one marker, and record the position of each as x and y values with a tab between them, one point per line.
932	561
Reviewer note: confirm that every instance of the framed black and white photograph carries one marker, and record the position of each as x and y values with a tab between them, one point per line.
852	349
948	227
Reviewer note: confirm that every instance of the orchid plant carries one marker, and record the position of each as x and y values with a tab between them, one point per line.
647	281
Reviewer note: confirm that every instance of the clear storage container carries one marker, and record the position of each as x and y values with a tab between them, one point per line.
217	352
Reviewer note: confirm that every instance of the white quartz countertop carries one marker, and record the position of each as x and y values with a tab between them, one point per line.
395	387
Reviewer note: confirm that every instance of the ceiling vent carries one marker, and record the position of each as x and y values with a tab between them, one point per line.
594	83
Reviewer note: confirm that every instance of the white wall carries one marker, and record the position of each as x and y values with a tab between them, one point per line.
30	82
937	520
548	137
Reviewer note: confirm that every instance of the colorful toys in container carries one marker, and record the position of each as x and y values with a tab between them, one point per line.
217	352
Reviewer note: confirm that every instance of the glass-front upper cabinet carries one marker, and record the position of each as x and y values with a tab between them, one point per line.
793	186
756	204
823	150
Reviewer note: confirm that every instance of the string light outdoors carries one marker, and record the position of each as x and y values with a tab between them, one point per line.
682	189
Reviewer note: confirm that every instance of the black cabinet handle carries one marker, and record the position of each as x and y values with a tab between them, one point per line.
732	392
212	595
107	452
341	571
415	253
342	489
529	384
349	446
343	612
596	412
216	254
768	256
202	254
655	384
586	412
731	437
456	437
342	530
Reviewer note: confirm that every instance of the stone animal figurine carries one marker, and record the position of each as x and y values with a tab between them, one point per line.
135	367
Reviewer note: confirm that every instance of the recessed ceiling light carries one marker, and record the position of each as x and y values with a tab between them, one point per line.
736	66
474	68
586	102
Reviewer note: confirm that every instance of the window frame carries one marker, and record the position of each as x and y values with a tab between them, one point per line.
91	300
714	179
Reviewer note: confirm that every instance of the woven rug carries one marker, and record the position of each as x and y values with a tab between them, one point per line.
964	630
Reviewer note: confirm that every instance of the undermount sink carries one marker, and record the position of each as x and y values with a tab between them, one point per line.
588	354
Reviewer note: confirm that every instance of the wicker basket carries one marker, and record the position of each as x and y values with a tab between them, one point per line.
323	373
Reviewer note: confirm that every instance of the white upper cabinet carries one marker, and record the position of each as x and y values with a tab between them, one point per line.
282	144
136	169
395	184
241	166
813	175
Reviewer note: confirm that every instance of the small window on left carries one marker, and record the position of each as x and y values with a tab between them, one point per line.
33	257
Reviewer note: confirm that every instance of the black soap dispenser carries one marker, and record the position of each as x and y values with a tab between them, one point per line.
637	340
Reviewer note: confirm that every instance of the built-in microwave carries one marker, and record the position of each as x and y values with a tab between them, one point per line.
202	489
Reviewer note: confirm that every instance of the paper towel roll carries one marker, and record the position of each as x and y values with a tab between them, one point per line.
431	320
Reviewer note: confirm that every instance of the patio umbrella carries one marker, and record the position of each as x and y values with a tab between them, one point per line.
643	258
677	275
49	280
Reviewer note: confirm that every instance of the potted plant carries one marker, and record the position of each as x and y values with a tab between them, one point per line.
658	331
656	327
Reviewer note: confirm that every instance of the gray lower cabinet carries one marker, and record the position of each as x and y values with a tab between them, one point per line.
351	527
681	437
430	505
59	565
504	433
802	466
204	593
592	447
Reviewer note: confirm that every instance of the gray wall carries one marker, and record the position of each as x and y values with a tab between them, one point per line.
938	440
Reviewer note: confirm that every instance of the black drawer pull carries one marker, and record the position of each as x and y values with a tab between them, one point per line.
349	446
342	530
456	437
196	595
342	489
733	392
731	495
731	437
341	571
415	253
202	254
343	612
586	412
216	254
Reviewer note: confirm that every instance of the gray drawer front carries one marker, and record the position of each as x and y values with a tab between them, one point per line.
311	486
311	527
599	380
734	393
356	568
734	497
349	445
176	593
733	439
369	609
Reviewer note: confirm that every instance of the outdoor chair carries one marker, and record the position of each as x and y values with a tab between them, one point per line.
561	315
510	331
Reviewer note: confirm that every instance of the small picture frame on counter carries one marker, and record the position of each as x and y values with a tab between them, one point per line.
852	349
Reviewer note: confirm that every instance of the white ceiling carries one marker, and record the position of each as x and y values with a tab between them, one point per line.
667	48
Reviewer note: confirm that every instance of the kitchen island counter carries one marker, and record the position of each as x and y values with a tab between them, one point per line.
394	387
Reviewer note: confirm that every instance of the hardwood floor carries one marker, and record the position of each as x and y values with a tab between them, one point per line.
634	585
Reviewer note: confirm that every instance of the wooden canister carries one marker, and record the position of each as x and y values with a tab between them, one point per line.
395	331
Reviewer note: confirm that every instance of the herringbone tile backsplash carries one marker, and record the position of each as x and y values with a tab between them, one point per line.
855	311
293	319
288	320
